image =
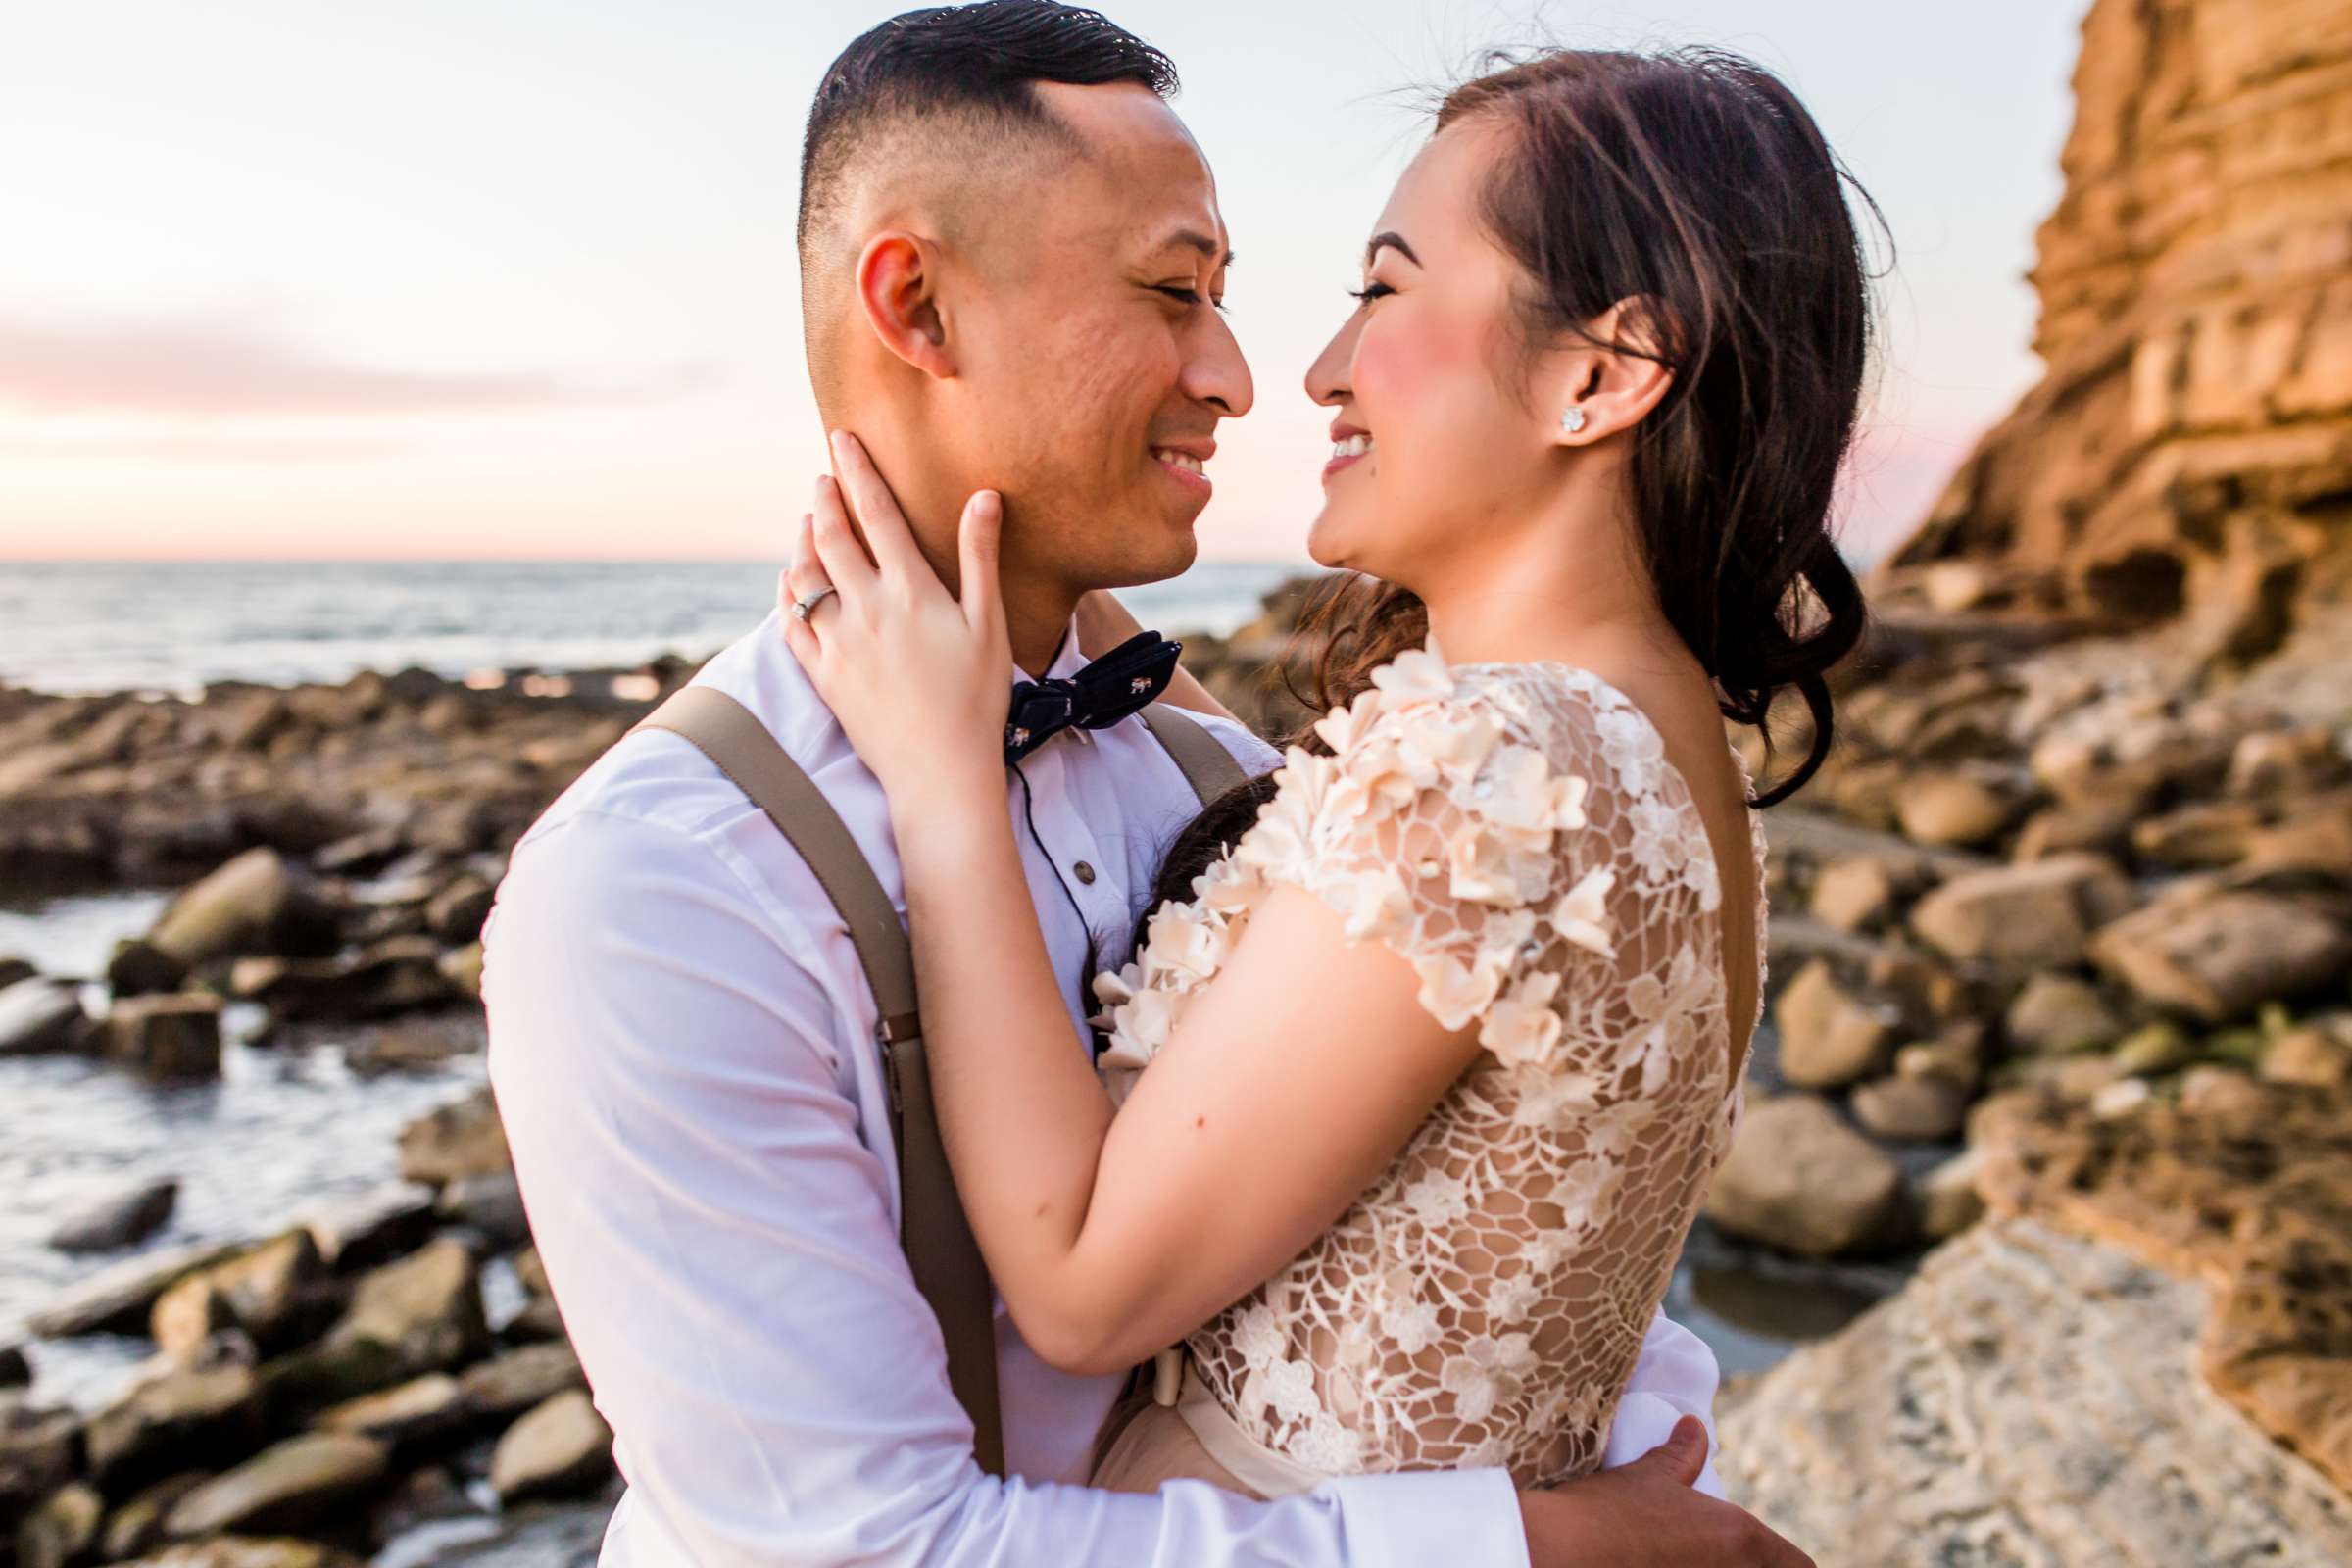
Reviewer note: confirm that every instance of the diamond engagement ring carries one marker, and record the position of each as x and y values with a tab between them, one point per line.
803	606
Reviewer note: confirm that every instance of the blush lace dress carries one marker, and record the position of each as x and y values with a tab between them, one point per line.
1516	832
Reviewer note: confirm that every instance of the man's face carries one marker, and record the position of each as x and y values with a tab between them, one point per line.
1092	365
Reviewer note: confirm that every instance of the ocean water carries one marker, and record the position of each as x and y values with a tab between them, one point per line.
172	626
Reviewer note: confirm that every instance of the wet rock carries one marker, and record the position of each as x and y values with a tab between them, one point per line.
2058	1012
1957	809
374	1227
1911	1109
2308	1056
460	1140
2216	833
139	967
266	1293
2215	957
1799	1179
290	1486
118	1221
560	1449
361	853
530	1271
411	1412
38	1450
1858	893
428	1307
509	1384
397	1047
257	902
461	968
2103	828
249	1551
1827	1036
391	976
173	1422
2038	914
117	1300
38	1016
63	1530
138	1525
1947	1197
166	1037
491	1203
539	1320
2294	760
455	915
2157	1048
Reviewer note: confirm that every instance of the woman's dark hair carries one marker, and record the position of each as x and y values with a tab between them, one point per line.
1693	183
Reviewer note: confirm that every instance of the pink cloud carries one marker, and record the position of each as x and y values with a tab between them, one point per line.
239	364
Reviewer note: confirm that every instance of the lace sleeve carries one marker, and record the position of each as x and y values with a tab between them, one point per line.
1512	834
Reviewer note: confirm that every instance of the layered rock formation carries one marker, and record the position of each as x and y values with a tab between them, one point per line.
2023	1404
2187	457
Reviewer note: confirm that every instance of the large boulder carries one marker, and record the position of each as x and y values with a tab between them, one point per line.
2215	958
2060	1013
371	1227
1955	1423
510	1384
2035	916
1799	1179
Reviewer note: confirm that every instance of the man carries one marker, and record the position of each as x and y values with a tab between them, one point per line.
1011	254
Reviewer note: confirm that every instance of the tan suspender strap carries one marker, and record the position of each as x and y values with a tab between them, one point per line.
1209	767
940	1251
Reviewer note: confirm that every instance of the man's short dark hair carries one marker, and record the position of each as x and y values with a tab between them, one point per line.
975	63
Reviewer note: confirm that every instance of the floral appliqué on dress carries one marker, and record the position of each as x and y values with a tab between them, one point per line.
1516	832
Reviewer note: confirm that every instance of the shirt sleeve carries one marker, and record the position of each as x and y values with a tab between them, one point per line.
720	1240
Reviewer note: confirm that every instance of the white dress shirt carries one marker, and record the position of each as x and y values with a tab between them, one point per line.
682	1045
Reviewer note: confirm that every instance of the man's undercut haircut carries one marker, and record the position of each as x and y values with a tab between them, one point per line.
962	69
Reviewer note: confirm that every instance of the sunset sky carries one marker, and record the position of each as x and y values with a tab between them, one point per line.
516	279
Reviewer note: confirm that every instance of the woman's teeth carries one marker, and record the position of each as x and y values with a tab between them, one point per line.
1356	446
1177	459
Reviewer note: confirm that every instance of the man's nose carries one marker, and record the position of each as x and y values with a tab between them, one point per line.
1214	371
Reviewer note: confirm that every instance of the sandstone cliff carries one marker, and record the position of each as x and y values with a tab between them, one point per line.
2187	457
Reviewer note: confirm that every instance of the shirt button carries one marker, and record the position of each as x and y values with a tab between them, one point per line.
1085	873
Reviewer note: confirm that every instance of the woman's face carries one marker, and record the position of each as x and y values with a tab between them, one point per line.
1435	444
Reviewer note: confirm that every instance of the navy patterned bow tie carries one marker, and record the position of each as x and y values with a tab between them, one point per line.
1121	682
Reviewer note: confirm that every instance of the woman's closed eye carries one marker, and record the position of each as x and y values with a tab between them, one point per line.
1370	292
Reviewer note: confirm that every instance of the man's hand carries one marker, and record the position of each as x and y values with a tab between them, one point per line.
1645	1515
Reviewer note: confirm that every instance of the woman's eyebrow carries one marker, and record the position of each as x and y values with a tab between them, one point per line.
1395	241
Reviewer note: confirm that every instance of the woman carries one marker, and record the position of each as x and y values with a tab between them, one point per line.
1426	1073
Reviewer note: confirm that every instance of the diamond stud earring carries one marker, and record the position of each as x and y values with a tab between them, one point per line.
1573	420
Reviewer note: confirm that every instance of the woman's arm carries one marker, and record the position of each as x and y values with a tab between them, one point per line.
1103	623
1290	1085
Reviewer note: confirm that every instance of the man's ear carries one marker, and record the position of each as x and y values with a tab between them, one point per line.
1610	382
898	291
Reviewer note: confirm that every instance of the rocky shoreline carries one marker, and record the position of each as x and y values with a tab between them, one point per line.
2039	872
